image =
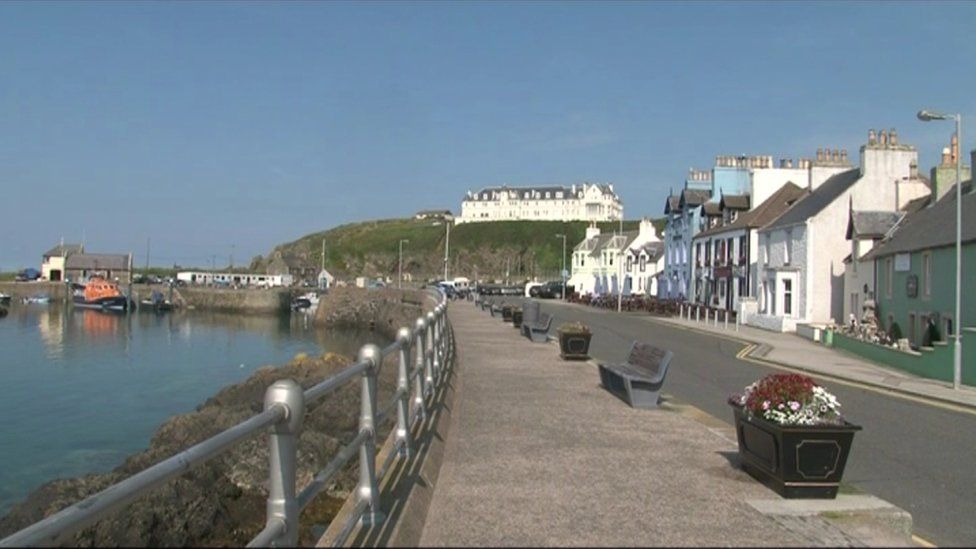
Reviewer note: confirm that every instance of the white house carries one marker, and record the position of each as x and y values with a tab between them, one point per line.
586	202
259	280
600	260
801	254
53	260
724	257
325	279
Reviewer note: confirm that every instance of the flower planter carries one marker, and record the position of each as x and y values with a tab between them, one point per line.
517	318
574	345
506	313
796	461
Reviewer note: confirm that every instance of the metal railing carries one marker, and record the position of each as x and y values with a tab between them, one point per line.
430	343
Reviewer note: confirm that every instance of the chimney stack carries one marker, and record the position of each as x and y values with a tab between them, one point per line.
872	139
913	170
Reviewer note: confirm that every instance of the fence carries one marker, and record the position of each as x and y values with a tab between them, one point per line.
430	343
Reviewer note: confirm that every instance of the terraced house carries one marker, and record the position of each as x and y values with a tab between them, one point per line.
916	285
801	254
604	264
716	197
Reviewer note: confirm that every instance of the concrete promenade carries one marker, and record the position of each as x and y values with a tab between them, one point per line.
540	454
792	350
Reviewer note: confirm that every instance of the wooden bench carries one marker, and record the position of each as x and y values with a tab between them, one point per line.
495	309
638	381
538	330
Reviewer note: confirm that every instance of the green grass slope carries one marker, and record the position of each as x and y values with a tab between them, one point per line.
522	249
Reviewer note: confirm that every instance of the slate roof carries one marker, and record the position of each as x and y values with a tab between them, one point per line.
765	213
541	191
673	204
694	197
735	201
112	262
872	224
712	208
64	250
819	199
932	227
654	249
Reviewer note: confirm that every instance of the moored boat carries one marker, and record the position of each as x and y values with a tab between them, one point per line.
100	294
39	299
4	299
156	303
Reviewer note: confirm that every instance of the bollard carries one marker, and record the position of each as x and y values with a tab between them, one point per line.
697	313
716	318
420	382
403	386
368	488
737	323
282	505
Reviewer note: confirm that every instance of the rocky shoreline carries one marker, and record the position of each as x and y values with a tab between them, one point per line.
223	502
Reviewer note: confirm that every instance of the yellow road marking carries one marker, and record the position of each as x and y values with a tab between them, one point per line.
750	346
922	541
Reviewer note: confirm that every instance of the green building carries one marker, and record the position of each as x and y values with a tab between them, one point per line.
915	286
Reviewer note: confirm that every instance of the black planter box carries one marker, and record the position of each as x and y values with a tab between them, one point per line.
506	313
517	318
574	345
796	461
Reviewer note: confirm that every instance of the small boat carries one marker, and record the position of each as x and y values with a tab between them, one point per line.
4	299
156	303
39	299
100	294
309	300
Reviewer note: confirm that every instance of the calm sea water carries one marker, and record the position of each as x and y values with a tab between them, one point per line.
80	390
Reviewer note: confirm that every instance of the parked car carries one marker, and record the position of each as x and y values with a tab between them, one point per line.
28	274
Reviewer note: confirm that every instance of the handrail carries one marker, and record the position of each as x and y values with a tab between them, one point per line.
430	341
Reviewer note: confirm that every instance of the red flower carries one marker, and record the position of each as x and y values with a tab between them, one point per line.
776	389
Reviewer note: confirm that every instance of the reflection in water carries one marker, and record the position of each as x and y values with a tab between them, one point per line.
80	389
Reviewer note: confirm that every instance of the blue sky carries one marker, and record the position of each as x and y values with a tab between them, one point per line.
220	128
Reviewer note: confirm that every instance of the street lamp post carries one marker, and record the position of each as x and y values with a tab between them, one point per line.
400	265
926	116
620	266
447	247
562	273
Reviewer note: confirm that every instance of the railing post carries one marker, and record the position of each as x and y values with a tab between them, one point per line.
697	313
282	505
434	365
403	387
420	382
725	318
716	318
368	487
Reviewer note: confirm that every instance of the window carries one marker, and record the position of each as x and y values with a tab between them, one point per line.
889	274
787	296
766	249
947	326
643	263
629	262
927	274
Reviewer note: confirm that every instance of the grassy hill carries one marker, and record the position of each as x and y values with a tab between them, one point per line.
525	249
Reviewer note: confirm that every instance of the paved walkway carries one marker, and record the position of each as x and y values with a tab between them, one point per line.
792	350
540	455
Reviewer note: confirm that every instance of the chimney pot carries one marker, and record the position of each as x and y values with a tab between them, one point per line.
820	155
843	156
883	137
872	139
946	156
893	136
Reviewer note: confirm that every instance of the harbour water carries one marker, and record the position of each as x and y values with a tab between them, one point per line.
81	389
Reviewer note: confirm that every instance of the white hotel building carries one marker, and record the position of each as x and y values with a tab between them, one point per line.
586	202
